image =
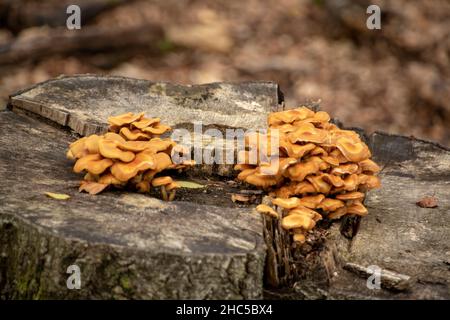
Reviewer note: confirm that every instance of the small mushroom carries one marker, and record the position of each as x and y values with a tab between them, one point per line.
265	209
162	182
299	237
357	208
294	221
342	211
369	166
263	181
288	203
329	204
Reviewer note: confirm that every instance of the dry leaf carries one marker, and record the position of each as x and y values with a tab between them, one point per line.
57	196
189	185
428	202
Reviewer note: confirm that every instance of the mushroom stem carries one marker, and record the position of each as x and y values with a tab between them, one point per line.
172	195
164	193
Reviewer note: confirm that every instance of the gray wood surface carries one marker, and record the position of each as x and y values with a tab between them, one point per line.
134	246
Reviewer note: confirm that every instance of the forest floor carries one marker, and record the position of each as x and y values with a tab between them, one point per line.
396	79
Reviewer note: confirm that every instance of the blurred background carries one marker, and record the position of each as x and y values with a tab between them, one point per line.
396	79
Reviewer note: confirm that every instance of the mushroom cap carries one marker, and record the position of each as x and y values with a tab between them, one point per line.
306	132
329	204
289	116
263	181
330	160
352	150
109	149
319	184
306	212
354	195
335	181
77	149
124	171
357	208
299	237
295	188
348	168
351	182
91	187
161	181
371	182
91	143
265	209
318	151
157	129
93	163
369	166
299	171
108	178
342	211
134	146
294	221
145	122
311	201
288	203
172	186
114	137
163	161
133	135
125	118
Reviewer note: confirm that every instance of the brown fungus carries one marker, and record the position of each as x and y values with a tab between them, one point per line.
127	156
320	167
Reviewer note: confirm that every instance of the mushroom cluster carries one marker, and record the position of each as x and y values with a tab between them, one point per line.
318	170
131	154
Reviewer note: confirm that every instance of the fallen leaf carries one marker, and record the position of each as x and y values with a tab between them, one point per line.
189	184
57	196
239	197
428	202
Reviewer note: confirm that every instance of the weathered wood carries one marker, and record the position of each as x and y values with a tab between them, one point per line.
410	244
134	246
127	245
83	103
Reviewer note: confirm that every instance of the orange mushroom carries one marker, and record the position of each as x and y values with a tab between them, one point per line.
93	163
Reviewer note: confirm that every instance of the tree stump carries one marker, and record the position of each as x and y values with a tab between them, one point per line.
202	246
